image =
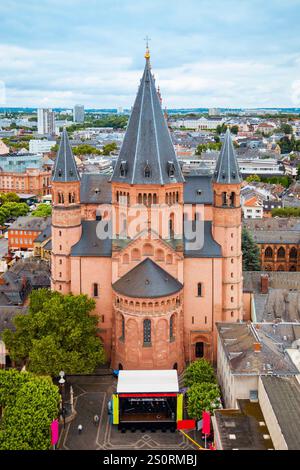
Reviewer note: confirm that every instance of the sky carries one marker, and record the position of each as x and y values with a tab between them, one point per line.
204	53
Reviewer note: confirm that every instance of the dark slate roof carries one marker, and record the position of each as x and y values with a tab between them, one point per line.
198	189
147	280
210	248
89	244
147	140
237	340
33	224
95	189
284	396
65	168
44	235
227	170
246	426
48	245
7	315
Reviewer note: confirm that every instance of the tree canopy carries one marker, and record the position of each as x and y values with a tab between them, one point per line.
253	178
57	334
42	210
198	372
202	397
251	255
12	209
30	404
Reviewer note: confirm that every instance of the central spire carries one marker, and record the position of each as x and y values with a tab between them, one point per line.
147	155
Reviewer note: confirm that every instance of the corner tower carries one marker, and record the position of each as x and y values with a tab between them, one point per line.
227	228
66	216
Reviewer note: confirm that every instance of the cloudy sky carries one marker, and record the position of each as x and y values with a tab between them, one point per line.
204	53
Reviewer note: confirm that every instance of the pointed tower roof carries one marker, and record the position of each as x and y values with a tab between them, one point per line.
147	155
227	168
65	169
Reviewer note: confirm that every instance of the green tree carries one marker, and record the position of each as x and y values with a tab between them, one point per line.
286	212
298	173
85	149
251	255
234	130
108	148
286	128
211	146
221	128
202	397
198	372
58	334
42	210
9	197
30	404
253	178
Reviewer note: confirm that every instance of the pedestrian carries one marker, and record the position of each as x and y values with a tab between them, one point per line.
80	428
96	420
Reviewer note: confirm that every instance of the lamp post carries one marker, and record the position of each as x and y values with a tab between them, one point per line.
62	382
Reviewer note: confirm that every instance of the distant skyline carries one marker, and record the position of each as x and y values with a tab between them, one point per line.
217	53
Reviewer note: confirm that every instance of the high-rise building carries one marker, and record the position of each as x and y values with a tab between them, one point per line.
78	113
214	112
46	121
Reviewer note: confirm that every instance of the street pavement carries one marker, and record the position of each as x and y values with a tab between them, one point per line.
92	394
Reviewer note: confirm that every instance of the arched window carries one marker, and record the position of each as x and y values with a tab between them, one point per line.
232	199
172	328
281	252
224	199
147	249
61	198
122	338
140	198
159	255
135	254
147	332
293	253
269	252
199	289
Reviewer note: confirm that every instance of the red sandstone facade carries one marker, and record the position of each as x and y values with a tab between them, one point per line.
149	332
32	181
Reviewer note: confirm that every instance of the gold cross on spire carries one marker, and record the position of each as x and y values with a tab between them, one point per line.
147	54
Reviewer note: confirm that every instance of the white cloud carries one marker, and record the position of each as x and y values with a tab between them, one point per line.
59	78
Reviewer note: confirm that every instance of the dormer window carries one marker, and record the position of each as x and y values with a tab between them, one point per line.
147	171
171	169
123	168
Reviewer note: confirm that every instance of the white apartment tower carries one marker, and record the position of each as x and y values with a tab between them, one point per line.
78	115
46	121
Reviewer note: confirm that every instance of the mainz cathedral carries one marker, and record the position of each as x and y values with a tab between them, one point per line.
158	296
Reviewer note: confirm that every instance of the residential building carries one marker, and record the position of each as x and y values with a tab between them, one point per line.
279	398
252	208
278	240
272	296
78	113
41	146
157	294
46	121
247	351
4	150
23	232
243	428
30	181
